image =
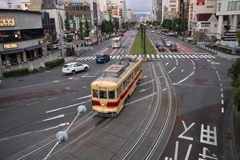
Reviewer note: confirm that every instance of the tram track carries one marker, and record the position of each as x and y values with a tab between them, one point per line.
84	122
154	116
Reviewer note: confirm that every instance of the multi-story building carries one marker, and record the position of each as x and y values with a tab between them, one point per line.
169	5
157	10
230	8
129	15
21	38
80	10
118	7
134	16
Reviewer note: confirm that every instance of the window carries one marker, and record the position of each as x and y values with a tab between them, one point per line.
119	91
215	25
218	6
205	25
103	94
172	1
233	5
172	5
95	93
209	6
73	8
77	8
111	94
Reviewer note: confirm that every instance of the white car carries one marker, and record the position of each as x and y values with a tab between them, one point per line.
152	31
74	67
168	43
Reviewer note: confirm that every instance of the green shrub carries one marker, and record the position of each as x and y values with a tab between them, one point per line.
17	72
190	41
54	63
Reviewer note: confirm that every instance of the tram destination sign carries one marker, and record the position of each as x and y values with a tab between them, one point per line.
7	22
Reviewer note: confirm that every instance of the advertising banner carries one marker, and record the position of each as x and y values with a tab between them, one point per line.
77	23
200	2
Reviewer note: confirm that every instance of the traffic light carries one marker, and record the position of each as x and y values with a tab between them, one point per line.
227	27
15	35
75	32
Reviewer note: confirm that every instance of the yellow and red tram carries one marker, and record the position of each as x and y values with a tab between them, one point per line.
117	83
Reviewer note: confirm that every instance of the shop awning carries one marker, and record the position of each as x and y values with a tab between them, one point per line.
33	47
12	51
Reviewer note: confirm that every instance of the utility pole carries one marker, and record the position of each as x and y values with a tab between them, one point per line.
141	31
183	22
144	39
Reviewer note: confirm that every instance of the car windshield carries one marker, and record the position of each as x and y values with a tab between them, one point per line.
67	66
99	56
161	45
174	45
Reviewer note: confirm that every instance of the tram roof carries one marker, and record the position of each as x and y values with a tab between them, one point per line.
116	79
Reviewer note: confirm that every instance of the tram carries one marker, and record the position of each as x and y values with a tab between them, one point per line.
116	84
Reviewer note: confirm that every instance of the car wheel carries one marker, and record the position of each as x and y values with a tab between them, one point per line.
73	72
86	69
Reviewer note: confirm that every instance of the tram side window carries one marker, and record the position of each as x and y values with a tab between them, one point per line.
103	94
118	92
95	93
111	94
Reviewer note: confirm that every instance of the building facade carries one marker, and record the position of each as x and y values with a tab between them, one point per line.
230	8
21	35
170	5
129	15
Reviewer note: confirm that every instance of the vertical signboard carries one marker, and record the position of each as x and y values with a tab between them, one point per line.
200	2
77	23
98	14
118	11
188	9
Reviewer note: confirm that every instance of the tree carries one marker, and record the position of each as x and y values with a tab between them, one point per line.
234	73
124	25
68	38
238	36
87	31
117	25
111	26
80	33
67	24
104	27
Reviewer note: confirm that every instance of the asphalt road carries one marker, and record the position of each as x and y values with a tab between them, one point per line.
35	107
203	91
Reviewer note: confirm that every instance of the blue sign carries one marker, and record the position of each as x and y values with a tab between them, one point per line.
78	4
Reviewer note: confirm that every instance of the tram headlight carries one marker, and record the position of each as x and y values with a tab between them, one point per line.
103	104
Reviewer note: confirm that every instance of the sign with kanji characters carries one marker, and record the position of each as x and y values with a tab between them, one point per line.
7	22
200	2
8	46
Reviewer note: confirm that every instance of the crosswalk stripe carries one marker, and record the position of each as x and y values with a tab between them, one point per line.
152	56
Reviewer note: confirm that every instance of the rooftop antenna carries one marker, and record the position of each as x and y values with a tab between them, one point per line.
9	4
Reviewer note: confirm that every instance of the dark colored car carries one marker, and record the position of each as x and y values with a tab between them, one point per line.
161	47
173	47
102	58
162	39
158	43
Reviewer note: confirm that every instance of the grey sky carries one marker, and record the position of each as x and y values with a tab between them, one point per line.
14	2
140	6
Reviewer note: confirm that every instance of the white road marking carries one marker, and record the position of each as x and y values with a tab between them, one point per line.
144	89
182	70
56	117
174	56
158	56
193	62
71	77
75	78
32	103
83	97
214	67
221	95
222	110
221	89
172	70
164	89
140	99
53	98
186	78
54	110
56	81
176	62
162	56
222	102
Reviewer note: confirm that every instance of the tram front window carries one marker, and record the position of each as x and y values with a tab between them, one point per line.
103	94
95	93
111	94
